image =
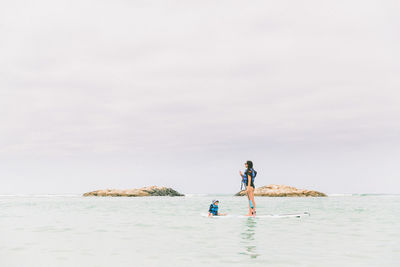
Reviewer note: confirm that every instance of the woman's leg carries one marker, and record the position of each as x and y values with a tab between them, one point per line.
250	209
248	201
251	196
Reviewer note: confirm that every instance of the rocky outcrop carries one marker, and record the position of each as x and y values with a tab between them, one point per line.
140	192
274	190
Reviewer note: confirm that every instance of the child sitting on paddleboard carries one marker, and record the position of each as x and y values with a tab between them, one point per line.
213	210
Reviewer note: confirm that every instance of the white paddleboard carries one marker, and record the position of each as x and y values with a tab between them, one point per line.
226	216
289	215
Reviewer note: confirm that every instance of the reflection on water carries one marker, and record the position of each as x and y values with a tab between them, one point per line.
248	238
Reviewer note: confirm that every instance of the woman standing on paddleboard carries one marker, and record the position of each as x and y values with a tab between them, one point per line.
248	181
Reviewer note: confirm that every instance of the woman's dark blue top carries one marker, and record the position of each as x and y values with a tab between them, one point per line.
252	174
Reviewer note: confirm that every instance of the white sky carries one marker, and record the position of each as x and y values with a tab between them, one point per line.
122	94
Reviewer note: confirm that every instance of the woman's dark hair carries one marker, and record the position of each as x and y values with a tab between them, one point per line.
249	164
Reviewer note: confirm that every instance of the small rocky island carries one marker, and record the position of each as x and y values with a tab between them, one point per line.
140	192
282	191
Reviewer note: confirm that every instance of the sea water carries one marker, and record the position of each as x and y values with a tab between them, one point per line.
170	231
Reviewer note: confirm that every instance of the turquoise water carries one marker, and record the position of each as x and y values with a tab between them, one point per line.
163	231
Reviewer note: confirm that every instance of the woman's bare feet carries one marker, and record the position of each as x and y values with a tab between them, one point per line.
251	214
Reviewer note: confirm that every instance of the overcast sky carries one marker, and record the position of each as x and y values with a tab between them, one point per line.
122	94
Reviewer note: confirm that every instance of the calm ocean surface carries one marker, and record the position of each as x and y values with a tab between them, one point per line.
163	231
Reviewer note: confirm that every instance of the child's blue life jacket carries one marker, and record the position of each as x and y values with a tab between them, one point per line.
252	174
213	209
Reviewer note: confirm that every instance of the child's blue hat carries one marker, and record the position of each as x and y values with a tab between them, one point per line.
215	200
